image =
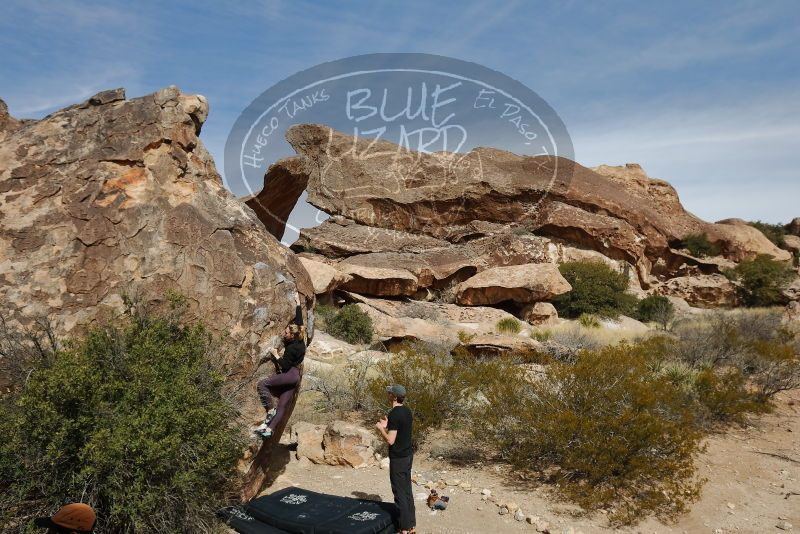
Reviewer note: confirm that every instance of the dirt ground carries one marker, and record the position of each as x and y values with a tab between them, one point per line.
753	486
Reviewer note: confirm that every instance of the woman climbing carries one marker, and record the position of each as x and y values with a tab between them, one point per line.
286	380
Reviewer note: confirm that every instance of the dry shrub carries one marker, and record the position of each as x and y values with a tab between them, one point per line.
508	325
622	435
443	389
754	342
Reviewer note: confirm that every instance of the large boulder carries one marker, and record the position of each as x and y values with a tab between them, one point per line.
432	322
704	291
339	236
398	329
539	313
792	244
379	281
617	211
499	345
793	228
308	438
347	444
324	278
527	283
115	196
741	241
7	122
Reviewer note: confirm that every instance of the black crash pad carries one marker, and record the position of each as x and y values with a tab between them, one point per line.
298	511
240	521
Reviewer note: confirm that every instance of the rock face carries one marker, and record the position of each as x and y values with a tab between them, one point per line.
338	443
116	196
539	313
309	441
497	344
705	291
526	283
324	278
792	244
7	122
438	323
380	281
378	187
741	241
793	227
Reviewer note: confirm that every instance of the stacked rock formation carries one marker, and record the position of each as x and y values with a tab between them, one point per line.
406	224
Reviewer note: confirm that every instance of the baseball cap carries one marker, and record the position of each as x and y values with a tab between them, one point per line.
76	517
397	390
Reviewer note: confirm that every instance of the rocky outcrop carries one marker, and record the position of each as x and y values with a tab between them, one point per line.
324	278
497	345
522	284
341	237
338	443
793	228
704	291
379	188
433	322
792	291
7	123
379	281
539	313
309	441
792	244
115	196
740	241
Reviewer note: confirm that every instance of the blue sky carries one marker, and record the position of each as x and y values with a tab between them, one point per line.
705	95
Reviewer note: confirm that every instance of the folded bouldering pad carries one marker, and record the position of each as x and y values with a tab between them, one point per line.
298	511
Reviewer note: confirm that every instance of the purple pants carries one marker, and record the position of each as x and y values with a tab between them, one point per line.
281	385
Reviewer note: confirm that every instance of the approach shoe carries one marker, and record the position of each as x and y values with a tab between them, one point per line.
270	416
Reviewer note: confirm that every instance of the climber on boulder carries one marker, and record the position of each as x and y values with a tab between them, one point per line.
284	383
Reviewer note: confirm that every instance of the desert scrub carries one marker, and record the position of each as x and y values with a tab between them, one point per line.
131	418
541	335
323	313
596	289
509	325
656	309
763	280
774	232
621	435
443	389
700	246
350	324
587	320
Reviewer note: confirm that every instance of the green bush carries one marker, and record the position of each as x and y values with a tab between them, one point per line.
323	313
656	309
587	320
774	232
350	324
699	246
722	396
763	280
130	418
444	390
621	435
509	325
541	335
596	289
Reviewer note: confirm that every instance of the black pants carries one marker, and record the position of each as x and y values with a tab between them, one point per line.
400	478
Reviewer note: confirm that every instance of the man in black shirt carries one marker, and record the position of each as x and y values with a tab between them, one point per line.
396	430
